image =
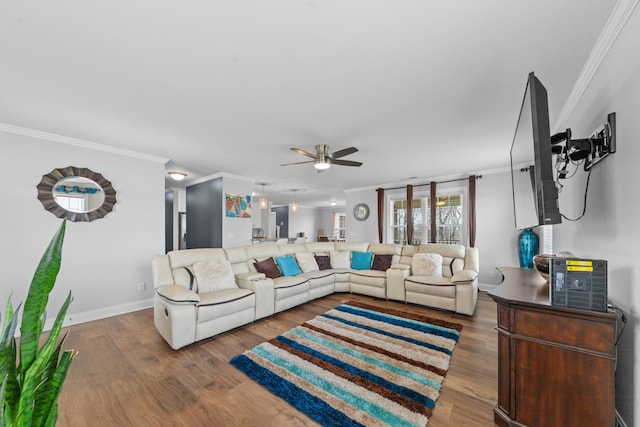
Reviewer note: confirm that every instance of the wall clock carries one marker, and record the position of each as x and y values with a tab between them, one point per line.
361	211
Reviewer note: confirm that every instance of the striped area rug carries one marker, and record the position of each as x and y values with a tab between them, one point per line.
357	365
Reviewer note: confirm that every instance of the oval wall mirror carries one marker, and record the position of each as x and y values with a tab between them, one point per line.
76	194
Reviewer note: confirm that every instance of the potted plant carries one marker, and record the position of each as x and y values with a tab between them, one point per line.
31	379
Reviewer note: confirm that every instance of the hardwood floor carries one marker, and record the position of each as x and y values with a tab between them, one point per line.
126	375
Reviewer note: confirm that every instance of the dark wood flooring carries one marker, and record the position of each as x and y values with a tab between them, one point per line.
126	375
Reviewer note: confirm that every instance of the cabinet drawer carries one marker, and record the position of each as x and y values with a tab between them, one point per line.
583	333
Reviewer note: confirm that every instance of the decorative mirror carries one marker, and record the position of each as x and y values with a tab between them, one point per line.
76	194
361	211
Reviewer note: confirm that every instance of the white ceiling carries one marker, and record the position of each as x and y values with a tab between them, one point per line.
422	88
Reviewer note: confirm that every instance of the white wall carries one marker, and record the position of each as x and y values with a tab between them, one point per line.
496	236
609	229
103	260
367	230
303	221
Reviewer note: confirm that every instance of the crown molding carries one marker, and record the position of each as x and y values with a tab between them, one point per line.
61	139
616	22
221	175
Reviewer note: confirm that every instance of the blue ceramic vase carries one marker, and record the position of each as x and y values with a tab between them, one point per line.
527	247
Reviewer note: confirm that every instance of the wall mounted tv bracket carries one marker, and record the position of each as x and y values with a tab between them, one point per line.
592	150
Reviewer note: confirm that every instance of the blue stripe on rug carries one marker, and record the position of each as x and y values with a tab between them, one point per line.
339	392
390	334
353	370
314	407
389	367
403	322
301	366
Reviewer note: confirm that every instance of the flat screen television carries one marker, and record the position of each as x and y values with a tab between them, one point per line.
535	195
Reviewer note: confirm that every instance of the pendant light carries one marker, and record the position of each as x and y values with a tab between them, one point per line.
294	206
264	203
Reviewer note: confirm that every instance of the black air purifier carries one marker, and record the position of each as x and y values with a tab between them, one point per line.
578	283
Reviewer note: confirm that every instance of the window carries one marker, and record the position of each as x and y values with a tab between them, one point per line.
450	218
72	203
340	226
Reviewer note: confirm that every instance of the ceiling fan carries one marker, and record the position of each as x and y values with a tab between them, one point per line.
323	160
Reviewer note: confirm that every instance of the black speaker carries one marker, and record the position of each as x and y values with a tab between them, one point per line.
578	283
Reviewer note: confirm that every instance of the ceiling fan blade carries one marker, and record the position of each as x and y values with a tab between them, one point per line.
304	153
342	153
346	163
298	163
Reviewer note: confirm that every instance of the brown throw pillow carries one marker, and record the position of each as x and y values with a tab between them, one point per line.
381	262
323	262
268	267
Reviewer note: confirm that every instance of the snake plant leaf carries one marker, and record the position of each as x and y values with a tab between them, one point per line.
32	377
42	405
47	404
41	285
29	392
11	392
51	385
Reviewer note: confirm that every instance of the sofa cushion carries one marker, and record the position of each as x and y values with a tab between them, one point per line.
381	262
340	259
437	286
323	262
288	265
223	296
361	260
426	264
268	267
214	274
307	262
177	294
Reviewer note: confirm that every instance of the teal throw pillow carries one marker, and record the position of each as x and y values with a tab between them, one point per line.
288	265
361	260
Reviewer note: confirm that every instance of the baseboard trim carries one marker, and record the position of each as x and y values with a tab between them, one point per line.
486	286
102	313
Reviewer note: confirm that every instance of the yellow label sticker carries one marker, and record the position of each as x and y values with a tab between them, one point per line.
579	268
579	262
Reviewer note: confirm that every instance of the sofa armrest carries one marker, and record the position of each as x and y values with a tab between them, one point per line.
161	269
464	276
177	294
265	294
250	276
395	281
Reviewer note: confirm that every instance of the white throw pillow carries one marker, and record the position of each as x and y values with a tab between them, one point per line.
213	275
340	259
307	262
426	264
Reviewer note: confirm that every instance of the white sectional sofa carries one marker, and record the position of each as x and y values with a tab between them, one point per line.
201	293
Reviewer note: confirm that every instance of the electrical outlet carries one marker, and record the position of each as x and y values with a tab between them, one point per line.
142	286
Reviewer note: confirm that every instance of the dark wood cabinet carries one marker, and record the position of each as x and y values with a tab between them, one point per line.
556	365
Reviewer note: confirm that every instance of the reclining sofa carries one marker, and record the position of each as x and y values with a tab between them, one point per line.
200	293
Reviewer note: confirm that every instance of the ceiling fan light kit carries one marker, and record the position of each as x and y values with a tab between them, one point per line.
321	165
